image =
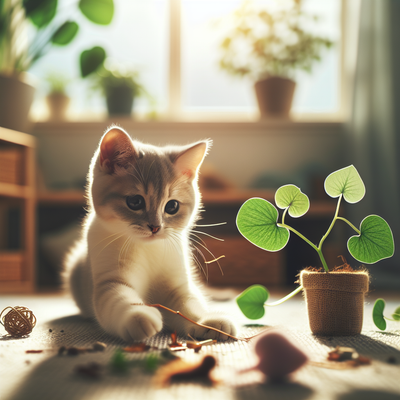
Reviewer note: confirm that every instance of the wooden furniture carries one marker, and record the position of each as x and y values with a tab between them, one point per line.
17	211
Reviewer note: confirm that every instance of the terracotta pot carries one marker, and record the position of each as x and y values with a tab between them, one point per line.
16	98
58	105
335	301
275	96
119	100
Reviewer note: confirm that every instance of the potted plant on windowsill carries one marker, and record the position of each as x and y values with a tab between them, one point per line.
57	98
20	50
268	47
120	87
335	298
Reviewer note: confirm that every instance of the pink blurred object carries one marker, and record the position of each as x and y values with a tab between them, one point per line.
278	357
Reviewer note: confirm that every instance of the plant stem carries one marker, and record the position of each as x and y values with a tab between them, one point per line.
300	235
332	223
390	319
283	299
349	223
284	215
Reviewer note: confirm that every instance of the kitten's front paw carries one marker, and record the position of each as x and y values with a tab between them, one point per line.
141	324
215	320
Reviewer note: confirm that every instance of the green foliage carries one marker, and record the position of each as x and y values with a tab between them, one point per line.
98	11
379	318
374	243
106	79
291	197
57	83
51	27
346	182
91	60
251	301
257	222
396	314
65	33
262	42
377	314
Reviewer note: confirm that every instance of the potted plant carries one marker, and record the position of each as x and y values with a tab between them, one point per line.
19	50
334	298
268	47
57	98
120	87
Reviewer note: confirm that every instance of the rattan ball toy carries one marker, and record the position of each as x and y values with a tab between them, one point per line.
18	321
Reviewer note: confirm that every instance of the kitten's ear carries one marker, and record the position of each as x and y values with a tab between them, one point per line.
116	148
188	161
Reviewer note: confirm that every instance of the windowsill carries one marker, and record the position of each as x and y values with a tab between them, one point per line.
130	124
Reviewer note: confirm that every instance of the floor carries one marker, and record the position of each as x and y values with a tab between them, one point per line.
47	375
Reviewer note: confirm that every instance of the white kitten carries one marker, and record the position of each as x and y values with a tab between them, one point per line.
142	200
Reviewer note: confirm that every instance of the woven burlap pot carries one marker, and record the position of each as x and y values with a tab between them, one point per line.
335	301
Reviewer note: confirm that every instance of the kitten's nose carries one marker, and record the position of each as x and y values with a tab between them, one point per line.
154	229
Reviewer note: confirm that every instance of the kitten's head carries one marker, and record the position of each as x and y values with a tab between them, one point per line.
149	191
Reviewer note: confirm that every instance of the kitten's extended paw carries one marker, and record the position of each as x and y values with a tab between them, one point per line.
215	320
141	324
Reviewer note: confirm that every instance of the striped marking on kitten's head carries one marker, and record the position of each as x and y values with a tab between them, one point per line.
149	191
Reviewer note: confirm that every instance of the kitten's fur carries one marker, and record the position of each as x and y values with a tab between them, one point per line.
131	256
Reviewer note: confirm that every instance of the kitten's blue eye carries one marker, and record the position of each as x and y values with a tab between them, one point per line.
136	202
172	207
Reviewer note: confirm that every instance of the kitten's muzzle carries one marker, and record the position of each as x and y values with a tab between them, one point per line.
154	229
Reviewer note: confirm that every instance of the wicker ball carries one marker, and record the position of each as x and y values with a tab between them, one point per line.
18	321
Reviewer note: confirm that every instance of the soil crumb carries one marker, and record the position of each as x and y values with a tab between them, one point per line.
345	267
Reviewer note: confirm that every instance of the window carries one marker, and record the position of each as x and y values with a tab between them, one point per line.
174	44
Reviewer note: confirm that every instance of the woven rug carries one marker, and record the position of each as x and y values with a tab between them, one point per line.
47	375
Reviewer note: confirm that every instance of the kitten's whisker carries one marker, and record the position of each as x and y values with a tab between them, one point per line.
198	237
215	258
207	234
208	225
111	241
102	240
122	250
205	272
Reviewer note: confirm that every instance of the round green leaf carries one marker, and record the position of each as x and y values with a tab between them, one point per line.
98	11
375	242
290	196
346	181
396	314
251	301
40	12
377	314
257	222
65	33
91	59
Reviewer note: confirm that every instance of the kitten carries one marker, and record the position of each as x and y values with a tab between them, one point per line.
142	201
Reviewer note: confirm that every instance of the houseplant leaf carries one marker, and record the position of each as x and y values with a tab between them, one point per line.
396	314
377	314
40	12
375	241
346	181
98	11
257	222
91	59
251	301
290	196
65	33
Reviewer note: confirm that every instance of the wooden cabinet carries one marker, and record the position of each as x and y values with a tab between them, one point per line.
17	211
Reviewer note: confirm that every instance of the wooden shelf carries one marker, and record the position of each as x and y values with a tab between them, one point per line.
17	267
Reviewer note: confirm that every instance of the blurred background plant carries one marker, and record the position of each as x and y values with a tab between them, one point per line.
57	98
275	42
29	28
120	86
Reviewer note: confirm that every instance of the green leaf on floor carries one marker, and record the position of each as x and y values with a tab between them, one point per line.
377	314
251	301
396	314
375	241
257	222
